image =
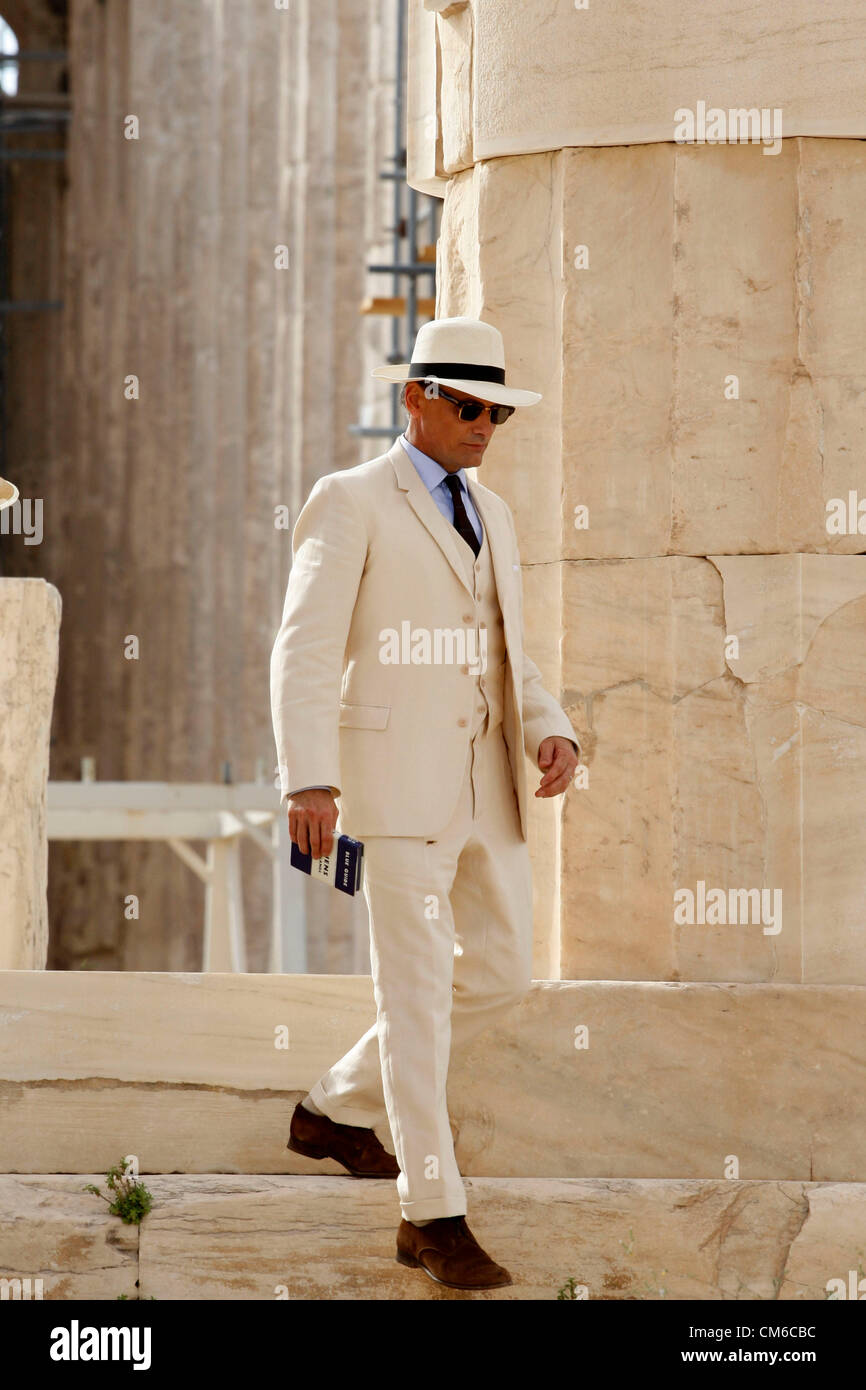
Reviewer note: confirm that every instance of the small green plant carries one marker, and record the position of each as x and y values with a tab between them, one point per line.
131	1201
568	1289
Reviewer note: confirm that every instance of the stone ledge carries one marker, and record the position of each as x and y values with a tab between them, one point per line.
218	1237
799	59
182	1071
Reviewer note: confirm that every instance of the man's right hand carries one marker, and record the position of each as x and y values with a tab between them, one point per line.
312	817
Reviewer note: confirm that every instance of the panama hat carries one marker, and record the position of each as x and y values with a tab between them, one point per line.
8	493
460	352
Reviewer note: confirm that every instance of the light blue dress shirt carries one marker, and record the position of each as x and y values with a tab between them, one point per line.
432	474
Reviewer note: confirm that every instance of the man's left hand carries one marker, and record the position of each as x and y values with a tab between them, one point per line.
557	760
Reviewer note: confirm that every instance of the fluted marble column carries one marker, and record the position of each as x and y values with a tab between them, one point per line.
212	269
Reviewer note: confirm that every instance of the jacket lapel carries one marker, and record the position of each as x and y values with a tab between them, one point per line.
499	540
425	509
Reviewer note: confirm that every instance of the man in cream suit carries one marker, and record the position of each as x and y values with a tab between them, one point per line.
399	683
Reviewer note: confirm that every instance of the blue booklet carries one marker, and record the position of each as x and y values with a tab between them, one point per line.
343	868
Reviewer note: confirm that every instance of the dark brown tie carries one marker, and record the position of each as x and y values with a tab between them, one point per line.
461	520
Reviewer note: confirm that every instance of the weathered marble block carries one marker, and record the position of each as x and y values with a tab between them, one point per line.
703	373
487	81
723	705
64	1241
210	1236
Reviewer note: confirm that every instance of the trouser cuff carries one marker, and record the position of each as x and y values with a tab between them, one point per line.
432	1207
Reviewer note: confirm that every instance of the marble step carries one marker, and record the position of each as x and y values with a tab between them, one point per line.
199	1073
213	1236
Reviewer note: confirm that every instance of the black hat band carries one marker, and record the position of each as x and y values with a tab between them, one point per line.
470	371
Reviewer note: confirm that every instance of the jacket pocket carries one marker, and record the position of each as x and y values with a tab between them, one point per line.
364	716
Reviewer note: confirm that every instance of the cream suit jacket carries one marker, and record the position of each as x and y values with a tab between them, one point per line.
370	550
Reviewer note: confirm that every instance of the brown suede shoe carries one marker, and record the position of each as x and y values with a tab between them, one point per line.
358	1149
448	1252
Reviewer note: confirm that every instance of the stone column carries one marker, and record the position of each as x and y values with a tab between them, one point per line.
687	495
200	385
29	629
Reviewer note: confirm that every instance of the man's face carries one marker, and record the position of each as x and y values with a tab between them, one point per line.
436	428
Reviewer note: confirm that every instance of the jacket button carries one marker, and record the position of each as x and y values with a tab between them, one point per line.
467	617
462	723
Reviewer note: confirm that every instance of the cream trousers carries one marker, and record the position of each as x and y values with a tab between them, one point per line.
451	951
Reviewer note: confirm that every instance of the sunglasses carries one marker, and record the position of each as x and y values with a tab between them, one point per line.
470	410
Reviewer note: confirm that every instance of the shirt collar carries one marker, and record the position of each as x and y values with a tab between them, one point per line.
431	472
